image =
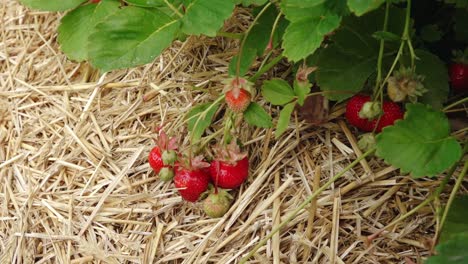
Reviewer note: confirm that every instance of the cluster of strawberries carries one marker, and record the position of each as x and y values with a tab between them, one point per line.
195	178
371	115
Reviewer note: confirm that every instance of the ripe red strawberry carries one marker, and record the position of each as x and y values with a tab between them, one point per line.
238	94
459	76
459	71
163	156
353	108
231	167
155	160
95	1
191	181
391	113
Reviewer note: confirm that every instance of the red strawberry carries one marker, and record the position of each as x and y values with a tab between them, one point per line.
238	94
353	108
459	76
231	168
238	100
155	160
191	181
163	155
95	1
459	70
391	113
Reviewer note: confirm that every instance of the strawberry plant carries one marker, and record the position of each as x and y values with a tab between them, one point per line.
389	61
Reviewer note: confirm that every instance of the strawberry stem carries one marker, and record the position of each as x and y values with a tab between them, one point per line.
304	204
463	100
227	127
405	39
381	50
266	68
173	8
230	35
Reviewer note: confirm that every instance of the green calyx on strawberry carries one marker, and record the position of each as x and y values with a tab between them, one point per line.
367	142
458	71
217	203
191	180
230	168
390	113
163	155
370	110
238	94
405	84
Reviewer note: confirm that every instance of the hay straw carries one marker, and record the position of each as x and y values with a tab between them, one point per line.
75	186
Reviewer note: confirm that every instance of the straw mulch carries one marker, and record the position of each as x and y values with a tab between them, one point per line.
76	187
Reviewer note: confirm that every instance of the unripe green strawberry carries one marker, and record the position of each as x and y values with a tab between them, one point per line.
166	174
169	157
217	204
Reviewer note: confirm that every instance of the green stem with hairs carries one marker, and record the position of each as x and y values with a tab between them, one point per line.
266	68
406	36
173	8
304	204
230	35
464	100
381	51
405	39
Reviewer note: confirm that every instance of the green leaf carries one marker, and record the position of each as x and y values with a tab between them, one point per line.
310	21
255	115
131	37
250	2
284	118
301	90
460	28
451	252
346	64
52	5
458	3
199	119
76	26
303	37
436	78
385	35
256	42
277	91
431	33
343	74
456	219
420	144
360	7
148	3
206	17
